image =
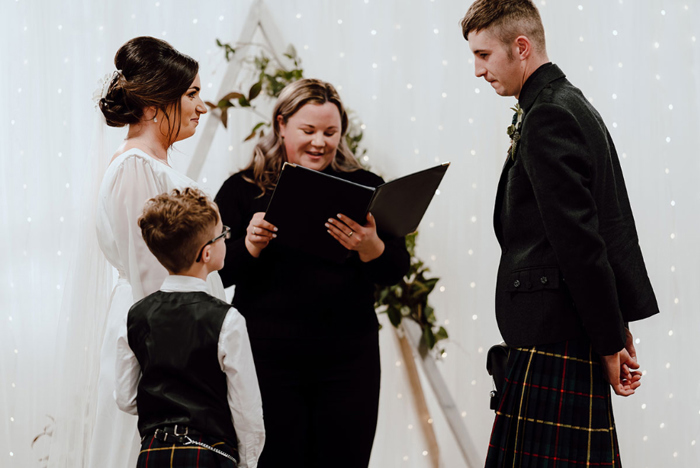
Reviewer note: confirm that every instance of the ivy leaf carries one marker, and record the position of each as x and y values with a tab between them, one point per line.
291	52
254	91
243	102
429	314
383	293
224	117
411	244
429	338
394	316
211	105
430	284
251	136
441	334
254	132
228	50
224	104
229	96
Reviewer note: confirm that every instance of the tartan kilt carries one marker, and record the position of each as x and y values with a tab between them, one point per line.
158	454
555	410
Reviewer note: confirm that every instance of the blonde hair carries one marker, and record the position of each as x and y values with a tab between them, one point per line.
176	225
270	155
508	19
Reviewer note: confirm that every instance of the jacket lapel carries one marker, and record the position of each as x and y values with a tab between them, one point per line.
499	198
531	89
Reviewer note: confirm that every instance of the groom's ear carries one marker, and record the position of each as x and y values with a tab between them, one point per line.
524	47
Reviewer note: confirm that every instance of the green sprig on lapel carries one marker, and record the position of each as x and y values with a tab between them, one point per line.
514	129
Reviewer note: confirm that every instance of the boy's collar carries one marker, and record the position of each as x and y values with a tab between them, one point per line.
182	283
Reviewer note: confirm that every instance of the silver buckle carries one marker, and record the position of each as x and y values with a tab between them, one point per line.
187	429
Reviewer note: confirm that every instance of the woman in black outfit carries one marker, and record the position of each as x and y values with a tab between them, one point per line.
312	323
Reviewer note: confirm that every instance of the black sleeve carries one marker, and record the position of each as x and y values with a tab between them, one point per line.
234	201
557	162
391	265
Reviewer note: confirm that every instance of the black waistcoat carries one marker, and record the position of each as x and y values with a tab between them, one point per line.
175	338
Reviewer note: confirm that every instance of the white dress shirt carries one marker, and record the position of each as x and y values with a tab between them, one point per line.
236	361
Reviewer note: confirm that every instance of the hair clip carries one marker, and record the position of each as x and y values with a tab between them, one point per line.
103	86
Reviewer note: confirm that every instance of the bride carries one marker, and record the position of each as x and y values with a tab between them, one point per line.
155	92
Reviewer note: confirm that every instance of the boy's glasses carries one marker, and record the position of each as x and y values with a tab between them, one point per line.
226	234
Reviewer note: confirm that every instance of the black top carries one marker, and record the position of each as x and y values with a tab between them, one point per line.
571	265
287	293
175	338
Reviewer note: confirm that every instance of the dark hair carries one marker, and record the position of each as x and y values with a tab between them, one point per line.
176	225
152	73
508	20
270	154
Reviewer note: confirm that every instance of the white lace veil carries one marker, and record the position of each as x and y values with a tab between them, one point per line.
82	317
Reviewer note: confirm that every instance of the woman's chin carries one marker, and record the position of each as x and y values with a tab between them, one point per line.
315	163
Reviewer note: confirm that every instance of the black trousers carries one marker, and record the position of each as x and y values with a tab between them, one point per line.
320	400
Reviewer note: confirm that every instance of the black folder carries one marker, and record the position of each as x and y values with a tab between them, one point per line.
304	199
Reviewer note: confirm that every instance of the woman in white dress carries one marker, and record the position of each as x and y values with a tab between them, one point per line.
155	92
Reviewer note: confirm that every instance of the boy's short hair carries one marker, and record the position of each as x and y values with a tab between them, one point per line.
507	19
176	225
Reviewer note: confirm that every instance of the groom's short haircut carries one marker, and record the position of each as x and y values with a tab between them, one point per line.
176	225
507	19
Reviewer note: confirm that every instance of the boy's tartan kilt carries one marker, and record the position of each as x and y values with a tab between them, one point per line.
157	454
555	410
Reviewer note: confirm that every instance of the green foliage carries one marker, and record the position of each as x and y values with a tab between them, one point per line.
228	50
409	299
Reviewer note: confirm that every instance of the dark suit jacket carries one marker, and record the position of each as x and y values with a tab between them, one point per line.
571	266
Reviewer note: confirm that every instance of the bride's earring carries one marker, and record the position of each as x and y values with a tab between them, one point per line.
155	119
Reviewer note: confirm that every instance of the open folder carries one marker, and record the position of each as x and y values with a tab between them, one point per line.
304	200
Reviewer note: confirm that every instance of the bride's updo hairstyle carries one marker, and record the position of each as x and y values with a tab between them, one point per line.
151	73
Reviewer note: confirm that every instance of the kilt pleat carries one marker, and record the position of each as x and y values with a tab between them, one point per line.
555	412
158	454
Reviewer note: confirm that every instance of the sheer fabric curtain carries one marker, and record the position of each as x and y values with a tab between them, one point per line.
406	71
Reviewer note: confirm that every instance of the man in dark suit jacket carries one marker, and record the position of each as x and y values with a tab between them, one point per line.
571	275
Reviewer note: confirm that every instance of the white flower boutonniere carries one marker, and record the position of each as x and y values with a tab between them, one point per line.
514	130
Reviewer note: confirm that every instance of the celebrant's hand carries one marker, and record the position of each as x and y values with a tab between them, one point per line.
362	239
258	234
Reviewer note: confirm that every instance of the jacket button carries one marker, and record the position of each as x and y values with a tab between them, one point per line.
516	283
543	280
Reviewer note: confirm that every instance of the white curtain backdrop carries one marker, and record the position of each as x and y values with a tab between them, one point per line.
406	71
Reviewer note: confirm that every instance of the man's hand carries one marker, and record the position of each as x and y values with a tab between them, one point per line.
617	368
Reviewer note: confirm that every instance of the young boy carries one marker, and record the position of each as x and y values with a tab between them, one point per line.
184	363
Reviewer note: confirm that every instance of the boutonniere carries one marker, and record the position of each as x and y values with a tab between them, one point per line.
514	129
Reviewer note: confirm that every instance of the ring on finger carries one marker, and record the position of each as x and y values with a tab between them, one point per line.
351	233
254	230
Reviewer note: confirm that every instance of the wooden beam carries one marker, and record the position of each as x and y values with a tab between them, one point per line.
426	422
442	394
258	17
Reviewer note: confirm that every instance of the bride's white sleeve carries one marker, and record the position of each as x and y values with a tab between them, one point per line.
136	181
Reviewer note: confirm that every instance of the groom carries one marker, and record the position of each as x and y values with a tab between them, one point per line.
571	275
